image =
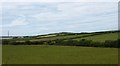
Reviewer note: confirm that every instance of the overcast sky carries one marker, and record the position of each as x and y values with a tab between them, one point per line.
34	18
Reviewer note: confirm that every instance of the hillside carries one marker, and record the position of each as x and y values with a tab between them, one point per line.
95	39
96	36
102	37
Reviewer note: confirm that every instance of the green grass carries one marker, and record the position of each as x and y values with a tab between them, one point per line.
58	55
102	37
59	37
0	54
99	38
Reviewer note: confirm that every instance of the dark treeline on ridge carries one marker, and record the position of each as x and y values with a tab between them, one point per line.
83	42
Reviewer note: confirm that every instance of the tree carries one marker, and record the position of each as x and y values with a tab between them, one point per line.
28	42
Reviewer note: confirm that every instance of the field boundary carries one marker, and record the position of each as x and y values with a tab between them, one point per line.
60	65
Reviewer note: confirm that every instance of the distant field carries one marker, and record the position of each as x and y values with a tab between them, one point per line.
90	36
102	37
99	38
58	55
60	37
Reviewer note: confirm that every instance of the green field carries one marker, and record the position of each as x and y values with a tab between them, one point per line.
55	54
99	38
89	36
59	37
58	55
102	37
0	54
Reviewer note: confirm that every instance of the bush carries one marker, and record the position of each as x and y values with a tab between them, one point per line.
5	42
28	42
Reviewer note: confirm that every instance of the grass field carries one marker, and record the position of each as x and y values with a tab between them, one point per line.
102	37
59	37
99	38
0	54
58	55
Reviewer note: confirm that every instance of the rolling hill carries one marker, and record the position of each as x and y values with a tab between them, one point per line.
95	36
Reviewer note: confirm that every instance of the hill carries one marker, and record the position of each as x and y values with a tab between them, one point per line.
94	39
95	36
102	37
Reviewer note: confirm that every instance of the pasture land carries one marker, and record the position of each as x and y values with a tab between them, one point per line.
58	55
102	37
59	37
0	54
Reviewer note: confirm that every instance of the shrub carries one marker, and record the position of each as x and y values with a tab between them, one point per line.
28	42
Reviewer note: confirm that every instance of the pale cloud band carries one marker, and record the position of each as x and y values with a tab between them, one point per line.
60	0
30	18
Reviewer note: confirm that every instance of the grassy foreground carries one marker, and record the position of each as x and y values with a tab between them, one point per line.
0	54
58	55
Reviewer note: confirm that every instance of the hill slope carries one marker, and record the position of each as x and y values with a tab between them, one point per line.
96	36
102	37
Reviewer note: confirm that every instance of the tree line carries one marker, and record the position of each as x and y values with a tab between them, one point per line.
68	42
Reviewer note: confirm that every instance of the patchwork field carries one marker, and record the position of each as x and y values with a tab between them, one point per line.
58	55
47	49
102	37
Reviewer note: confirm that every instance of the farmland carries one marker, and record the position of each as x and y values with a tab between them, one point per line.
0	55
63	48
58	55
65	32
95	39
102	38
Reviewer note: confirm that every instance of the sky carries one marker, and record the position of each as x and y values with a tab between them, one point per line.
37	18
